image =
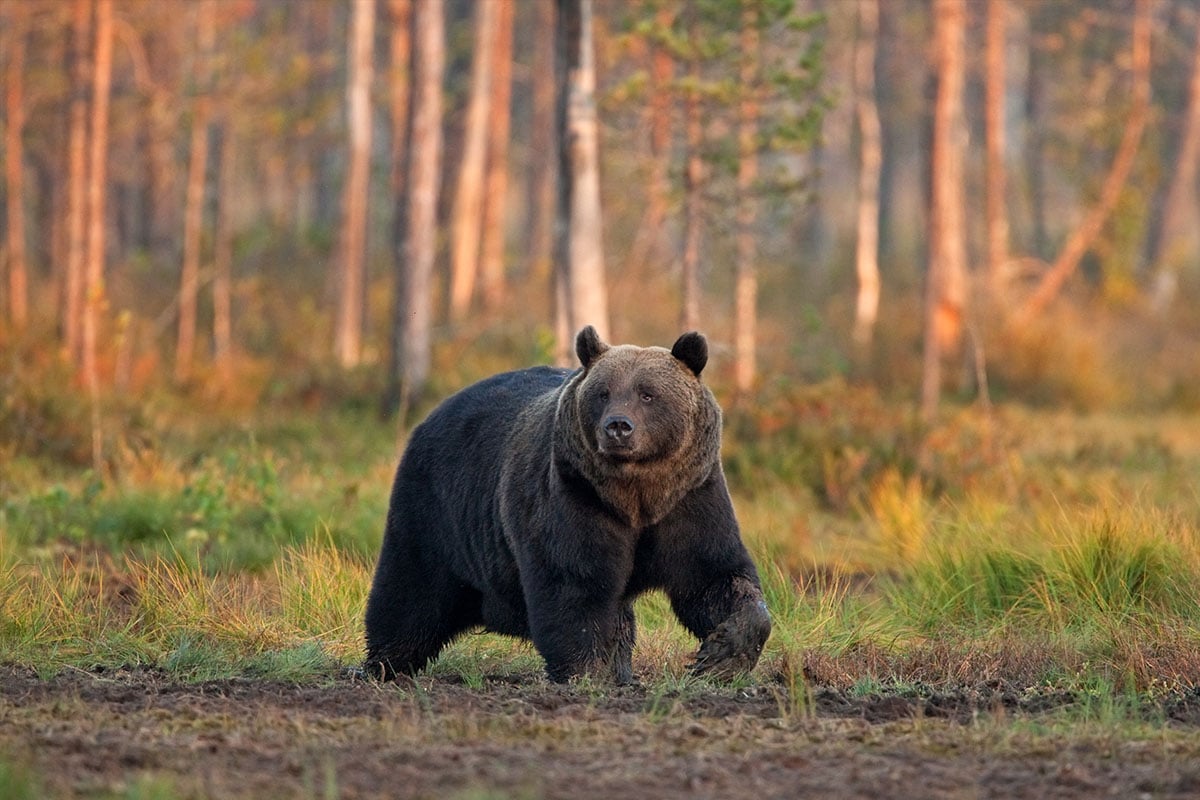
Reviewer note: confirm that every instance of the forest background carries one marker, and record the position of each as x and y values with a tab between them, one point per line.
947	255
243	236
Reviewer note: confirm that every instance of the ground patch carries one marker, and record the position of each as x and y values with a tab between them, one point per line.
85	734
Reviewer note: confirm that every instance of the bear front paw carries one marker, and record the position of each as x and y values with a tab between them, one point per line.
733	648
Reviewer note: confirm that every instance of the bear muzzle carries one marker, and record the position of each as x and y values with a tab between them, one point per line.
616	435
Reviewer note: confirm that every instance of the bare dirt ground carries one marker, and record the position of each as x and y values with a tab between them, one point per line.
88	734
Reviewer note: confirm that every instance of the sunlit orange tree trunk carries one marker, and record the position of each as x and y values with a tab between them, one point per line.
467	215
14	167
351	266
693	184
745	287
996	174
193	215
96	185
222	289
870	164
945	289
540	201
491	249
77	166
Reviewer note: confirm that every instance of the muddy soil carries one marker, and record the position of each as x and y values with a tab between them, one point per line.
87	734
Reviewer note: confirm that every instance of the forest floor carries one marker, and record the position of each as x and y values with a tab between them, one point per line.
118	732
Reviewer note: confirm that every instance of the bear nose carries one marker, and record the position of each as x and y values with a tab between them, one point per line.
618	427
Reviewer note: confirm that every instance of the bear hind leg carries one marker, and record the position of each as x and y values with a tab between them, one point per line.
403	638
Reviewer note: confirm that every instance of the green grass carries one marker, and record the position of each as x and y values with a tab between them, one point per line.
18	782
233	507
1065	556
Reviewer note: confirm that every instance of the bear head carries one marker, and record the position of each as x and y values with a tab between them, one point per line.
641	404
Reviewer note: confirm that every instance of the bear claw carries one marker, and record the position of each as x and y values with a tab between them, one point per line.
734	647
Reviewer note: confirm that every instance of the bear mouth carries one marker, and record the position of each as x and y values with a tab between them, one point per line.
618	452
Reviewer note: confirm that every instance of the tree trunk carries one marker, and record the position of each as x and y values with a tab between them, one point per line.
745	292
193	213
945	280
77	146
579	218
866	309
352	264
1110	192
996	175
14	171
96	186
411	320
693	189
223	261
662	68
398	87
541	199
1179	241
400	92
163	123
1034	137
468	199
492	250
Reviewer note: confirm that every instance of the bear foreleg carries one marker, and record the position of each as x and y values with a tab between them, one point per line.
742	625
577	642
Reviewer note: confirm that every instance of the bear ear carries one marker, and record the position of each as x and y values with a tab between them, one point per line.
589	346
692	350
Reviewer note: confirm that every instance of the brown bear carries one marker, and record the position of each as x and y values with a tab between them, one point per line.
540	503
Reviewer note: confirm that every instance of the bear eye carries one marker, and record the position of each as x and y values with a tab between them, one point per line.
647	397
603	395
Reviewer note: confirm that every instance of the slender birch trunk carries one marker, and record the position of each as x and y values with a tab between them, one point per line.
77	166
866	259
467	220
411	322
14	172
399	85
193	215
491	268
579	216
745	313
693	181
541	196
352	263
222	289
96	186
996	174
945	280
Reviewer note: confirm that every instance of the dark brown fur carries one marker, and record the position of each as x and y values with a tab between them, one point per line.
541	503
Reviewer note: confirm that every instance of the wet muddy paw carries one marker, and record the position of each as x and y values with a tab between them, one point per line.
734	647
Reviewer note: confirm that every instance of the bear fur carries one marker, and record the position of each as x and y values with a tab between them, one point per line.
540	503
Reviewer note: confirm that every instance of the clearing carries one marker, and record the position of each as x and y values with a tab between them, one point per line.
136	732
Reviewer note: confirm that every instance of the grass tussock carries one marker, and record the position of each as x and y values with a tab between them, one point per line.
1082	572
